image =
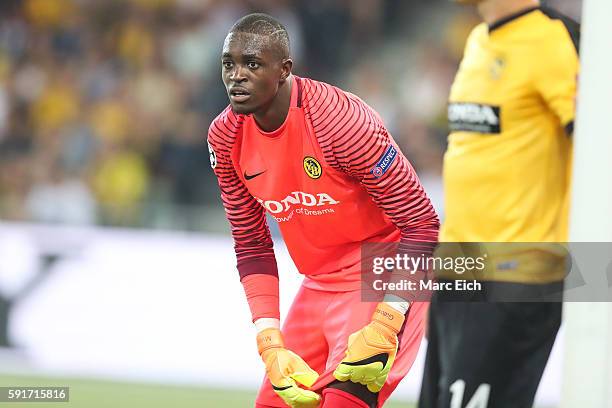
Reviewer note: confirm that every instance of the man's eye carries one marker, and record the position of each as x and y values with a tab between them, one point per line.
227	64
253	65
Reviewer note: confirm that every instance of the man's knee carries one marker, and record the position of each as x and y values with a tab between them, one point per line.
358	394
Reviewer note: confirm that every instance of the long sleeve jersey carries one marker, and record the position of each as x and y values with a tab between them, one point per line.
331	176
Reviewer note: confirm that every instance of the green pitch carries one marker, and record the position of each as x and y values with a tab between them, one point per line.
107	394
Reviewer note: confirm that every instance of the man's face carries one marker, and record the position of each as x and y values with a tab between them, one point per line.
251	71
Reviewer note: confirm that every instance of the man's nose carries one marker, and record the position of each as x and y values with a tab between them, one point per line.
238	74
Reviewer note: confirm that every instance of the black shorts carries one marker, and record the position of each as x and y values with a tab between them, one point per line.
487	354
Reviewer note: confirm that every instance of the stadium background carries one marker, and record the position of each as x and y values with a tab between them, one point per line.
104	107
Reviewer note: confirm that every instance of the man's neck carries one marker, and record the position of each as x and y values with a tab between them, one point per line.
274	116
492	11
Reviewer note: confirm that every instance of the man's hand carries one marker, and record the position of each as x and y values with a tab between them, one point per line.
285	369
371	350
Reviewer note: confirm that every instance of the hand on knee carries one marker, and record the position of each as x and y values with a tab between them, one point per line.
333	398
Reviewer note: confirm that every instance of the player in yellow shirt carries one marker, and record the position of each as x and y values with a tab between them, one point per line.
506	178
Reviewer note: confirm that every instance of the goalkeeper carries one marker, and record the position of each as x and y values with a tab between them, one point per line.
320	161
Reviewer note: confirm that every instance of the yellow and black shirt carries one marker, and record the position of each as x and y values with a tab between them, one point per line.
511	112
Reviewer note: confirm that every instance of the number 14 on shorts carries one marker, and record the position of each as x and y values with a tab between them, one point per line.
480	399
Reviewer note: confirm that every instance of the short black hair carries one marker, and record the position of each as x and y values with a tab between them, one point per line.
264	24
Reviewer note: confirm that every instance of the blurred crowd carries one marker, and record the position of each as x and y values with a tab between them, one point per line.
104	104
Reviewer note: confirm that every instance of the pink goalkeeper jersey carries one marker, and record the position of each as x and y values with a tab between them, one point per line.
331	176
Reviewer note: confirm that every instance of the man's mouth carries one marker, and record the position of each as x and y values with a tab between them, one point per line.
239	95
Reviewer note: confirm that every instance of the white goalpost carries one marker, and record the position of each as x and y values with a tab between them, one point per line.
587	372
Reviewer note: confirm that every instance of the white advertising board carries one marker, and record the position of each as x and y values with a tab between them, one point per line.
146	306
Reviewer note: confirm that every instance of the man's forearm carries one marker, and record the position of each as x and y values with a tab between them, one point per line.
262	294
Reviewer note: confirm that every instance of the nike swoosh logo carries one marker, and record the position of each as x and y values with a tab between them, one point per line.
252	176
378	358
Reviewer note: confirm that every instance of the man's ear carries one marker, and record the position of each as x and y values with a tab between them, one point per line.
286	67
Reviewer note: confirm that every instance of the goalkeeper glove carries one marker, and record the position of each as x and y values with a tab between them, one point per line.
371	350
285	369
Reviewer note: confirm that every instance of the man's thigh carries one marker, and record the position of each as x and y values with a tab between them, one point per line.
489	352
347	314
317	328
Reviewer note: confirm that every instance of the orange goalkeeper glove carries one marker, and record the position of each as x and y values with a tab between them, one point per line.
371	351
285	369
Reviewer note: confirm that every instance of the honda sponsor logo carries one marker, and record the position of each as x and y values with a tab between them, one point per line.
297	198
474	117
